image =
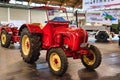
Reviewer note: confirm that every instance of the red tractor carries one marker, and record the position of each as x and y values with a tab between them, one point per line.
60	41
8	35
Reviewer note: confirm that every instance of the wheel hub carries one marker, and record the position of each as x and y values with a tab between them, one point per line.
25	45
55	61
90	58
3	38
102	36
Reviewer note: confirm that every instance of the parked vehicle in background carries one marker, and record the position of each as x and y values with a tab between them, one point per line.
8	35
102	32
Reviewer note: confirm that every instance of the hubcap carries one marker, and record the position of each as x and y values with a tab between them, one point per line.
25	45
90	58
55	61
102	36
3	38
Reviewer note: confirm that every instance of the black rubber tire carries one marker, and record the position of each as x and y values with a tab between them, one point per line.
35	44
63	58
8	39
102	36
98	57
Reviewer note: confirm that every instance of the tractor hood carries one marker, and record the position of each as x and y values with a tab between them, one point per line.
72	37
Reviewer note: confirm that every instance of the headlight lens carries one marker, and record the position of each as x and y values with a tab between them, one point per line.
66	46
83	45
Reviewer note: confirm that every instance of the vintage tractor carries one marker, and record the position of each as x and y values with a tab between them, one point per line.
8	35
60	41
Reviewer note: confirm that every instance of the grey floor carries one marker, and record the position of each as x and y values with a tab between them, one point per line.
12	66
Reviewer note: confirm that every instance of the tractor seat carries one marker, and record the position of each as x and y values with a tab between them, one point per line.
39	24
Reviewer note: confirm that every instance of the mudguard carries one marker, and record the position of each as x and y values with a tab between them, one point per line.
7	29
31	27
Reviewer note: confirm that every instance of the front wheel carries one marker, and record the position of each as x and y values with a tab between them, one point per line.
57	61
93	59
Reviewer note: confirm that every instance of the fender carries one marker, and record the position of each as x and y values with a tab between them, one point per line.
7	29
31	27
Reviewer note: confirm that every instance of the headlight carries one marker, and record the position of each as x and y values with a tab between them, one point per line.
66	46
83	45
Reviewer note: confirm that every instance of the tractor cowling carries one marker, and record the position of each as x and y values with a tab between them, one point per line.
72	38
61	42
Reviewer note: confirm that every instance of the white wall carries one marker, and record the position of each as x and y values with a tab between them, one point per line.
38	16
18	14
33	16
3	14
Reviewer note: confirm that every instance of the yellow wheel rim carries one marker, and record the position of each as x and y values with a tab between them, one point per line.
3	38
90	58
25	45
55	61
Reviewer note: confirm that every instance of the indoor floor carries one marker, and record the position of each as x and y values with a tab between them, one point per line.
12	67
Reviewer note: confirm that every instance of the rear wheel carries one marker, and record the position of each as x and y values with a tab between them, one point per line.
5	39
57	61
93	59
29	46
